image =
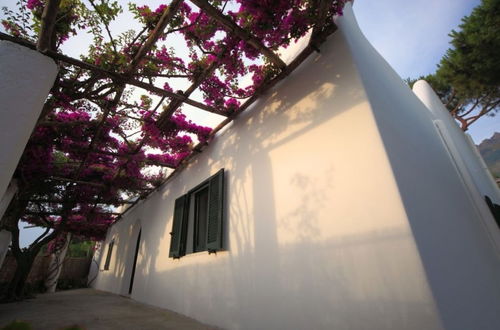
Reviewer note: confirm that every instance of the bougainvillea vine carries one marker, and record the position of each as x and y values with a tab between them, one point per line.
99	144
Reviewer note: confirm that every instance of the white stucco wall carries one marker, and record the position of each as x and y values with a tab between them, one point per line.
458	252
26	77
317	236
478	171
5	236
340	213
473	172
7	197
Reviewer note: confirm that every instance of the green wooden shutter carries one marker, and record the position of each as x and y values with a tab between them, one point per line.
494	208
179	228
215	212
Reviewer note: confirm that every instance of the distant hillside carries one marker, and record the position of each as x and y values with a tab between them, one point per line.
490	150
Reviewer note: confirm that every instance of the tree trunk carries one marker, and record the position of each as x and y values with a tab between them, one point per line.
5	235
4	244
26	256
55	265
17	284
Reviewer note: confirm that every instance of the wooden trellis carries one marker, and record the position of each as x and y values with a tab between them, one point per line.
322	28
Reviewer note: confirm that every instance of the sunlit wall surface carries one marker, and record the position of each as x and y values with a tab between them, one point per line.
341	213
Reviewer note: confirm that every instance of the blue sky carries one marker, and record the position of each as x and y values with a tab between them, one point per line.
411	35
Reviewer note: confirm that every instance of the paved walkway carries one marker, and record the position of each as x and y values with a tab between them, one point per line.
92	310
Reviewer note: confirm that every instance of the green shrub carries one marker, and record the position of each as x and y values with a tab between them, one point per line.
17	325
73	283
73	327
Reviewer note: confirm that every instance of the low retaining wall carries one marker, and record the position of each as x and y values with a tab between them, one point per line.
73	269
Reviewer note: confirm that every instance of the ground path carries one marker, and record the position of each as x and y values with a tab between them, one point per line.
93	310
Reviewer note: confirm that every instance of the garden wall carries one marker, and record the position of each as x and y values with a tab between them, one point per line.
74	270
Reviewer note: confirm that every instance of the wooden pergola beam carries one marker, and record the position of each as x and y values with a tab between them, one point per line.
53	123
113	75
129	156
126	156
241	33
145	48
178	96
94	184
167	15
61	212
68	201
175	104
321	9
46	37
95	138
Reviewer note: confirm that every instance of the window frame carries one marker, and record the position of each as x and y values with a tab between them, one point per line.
185	217
192	194
109	254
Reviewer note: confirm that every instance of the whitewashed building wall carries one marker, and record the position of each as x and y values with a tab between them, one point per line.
26	77
342	211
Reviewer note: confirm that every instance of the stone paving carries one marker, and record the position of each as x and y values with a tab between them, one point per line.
93	310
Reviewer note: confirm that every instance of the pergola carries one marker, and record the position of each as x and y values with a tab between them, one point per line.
170	101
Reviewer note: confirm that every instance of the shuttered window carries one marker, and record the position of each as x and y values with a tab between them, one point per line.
494	208
199	213
178	234
108	256
200	219
215	208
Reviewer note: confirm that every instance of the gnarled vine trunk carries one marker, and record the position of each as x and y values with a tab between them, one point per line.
56	263
26	256
17	284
